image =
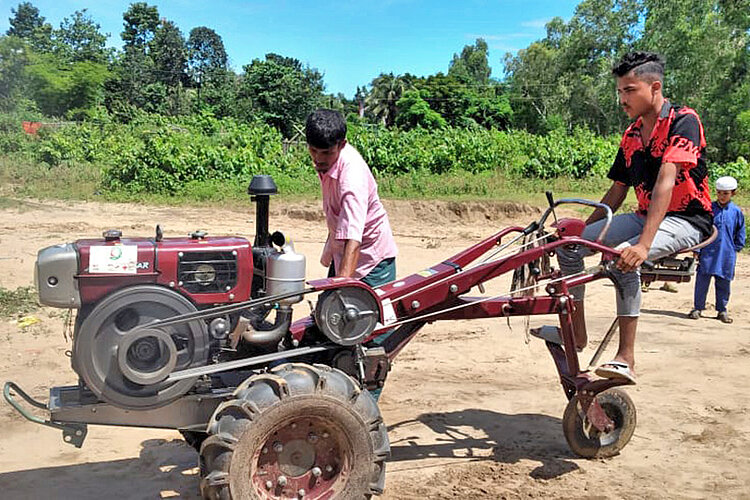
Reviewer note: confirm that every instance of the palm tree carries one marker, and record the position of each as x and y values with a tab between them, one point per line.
385	92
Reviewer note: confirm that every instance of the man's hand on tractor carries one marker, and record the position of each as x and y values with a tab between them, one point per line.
632	257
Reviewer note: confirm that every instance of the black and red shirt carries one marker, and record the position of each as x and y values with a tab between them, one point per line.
677	138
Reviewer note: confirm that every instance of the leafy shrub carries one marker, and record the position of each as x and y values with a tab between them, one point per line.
202	156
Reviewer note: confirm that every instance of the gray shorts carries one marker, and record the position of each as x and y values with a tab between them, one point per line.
674	234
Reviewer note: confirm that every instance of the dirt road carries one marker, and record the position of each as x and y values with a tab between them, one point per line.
473	409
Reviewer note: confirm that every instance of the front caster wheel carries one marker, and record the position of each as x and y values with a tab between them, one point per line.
299	431
586	440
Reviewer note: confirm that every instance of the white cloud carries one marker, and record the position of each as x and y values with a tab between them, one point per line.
505	36
536	23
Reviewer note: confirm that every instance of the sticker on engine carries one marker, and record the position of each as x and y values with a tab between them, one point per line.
389	315
115	259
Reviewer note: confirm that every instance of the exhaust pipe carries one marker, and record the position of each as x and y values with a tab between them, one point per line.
262	333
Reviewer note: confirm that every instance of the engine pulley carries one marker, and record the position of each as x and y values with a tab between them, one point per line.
129	368
347	315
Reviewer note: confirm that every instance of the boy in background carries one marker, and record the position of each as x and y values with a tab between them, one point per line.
718	259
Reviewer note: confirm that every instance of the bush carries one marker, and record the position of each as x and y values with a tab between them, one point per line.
201	156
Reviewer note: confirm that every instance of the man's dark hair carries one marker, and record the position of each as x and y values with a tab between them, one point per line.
647	66
325	128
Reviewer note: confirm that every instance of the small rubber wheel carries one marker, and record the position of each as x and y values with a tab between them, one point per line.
586	440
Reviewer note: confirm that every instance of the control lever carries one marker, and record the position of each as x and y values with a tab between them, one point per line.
551	202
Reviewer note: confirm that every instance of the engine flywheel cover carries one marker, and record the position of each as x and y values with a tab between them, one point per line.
128	368
347	315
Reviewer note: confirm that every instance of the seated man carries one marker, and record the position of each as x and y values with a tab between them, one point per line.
661	156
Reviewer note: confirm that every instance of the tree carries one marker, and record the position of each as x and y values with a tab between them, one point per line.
14	56
279	91
567	75
80	39
72	90
140	23
208	71
707	48
472	66
413	111
206	55
168	53
28	25
134	84
385	92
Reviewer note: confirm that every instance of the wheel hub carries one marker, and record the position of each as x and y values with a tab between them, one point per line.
305	458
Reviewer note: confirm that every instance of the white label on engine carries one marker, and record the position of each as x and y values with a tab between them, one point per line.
389	315
115	259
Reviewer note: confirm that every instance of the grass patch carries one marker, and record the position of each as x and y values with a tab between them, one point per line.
67	181
17	302
82	181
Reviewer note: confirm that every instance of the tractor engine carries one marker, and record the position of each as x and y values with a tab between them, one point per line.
120	285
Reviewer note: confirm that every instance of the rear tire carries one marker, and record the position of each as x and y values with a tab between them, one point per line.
298	427
588	442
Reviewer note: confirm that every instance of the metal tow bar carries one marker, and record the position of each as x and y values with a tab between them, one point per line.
72	433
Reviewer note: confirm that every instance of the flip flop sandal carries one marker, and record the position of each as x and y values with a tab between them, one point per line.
616	370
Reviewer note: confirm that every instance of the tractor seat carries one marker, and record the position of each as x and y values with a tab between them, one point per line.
674	268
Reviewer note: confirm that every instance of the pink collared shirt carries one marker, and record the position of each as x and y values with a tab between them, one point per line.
353	212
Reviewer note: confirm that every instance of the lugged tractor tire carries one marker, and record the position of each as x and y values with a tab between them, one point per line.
298	431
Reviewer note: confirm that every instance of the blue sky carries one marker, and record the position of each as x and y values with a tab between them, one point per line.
350	42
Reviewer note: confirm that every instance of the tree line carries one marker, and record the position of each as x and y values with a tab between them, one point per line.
558	83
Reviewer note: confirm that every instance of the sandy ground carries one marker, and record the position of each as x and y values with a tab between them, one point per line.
474	409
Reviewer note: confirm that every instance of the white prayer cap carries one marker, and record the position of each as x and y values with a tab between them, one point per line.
726	183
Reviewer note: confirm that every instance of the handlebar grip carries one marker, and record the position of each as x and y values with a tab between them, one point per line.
648	265
531	228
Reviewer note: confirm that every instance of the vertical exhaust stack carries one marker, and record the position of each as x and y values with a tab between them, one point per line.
260	190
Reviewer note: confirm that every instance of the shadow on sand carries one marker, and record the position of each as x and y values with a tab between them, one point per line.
164	469
510	438
167	469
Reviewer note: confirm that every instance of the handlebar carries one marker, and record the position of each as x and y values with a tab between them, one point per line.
579	201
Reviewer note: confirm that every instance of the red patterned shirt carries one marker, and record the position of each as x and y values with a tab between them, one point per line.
677	138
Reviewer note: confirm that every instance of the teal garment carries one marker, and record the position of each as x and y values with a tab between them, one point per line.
383	273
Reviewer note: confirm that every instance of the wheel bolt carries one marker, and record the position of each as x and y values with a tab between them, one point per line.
312	437
325	435
269	485
281	481
265	450
329	468
278	447
294	426
301	493
316	471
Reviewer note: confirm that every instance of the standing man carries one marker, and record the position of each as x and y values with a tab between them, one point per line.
360	243
661	156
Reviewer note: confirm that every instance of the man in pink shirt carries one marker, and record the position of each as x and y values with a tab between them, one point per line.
360	243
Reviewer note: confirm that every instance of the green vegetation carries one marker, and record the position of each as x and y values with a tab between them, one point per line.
17	302
164	117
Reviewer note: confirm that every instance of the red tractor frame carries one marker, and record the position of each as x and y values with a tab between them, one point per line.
299	420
